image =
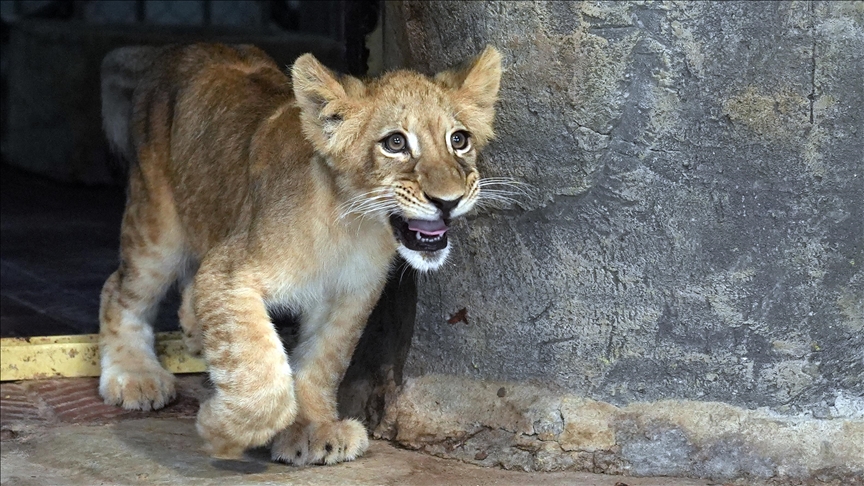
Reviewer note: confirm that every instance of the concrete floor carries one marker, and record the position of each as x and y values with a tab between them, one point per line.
167	451
58	432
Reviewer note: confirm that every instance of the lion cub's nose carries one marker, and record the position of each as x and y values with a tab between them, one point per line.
444	205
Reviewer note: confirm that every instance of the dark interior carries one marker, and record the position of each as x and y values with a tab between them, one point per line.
60	232
59	243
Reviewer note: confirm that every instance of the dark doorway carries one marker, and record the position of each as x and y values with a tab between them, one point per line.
62	190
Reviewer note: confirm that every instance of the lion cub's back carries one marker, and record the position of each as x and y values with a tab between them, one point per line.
208	91
196	114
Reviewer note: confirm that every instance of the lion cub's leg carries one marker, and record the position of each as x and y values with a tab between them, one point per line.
188	323
254	390
151	253
327	340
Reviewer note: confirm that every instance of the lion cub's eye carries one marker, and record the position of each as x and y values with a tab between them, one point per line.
395	143
459	140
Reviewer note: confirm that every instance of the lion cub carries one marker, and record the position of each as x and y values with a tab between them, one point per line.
254	191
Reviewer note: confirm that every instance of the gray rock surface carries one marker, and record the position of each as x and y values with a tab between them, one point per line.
524	427
695	226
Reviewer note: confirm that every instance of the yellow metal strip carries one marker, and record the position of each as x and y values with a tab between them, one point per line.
69	356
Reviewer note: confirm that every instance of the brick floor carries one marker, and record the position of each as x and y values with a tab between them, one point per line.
77	401
16	404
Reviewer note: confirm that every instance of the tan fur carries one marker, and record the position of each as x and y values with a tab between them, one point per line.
257	191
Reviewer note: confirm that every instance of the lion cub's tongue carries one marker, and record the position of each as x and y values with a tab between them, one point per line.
428	228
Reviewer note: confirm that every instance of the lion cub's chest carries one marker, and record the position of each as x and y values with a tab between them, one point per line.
346	260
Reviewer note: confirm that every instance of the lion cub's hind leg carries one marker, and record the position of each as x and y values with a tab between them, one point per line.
188	323
151	251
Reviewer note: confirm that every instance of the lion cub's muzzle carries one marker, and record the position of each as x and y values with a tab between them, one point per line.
421	226
422	234
419	234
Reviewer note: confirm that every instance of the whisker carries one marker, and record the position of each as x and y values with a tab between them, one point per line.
501	179
498	191
374	194
372	212
502	182
369	207
508	189
494	200
495	194
372	202
405	267
503	199
497	197
376	200
388	209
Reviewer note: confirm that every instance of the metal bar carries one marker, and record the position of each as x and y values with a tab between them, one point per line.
70	356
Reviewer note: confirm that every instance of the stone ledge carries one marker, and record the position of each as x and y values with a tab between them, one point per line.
520	426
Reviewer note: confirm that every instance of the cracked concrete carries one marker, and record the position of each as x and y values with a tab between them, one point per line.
531	428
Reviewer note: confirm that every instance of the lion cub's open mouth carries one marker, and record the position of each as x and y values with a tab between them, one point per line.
420	235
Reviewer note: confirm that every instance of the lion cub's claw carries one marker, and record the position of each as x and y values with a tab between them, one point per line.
146	389
291	446
321	443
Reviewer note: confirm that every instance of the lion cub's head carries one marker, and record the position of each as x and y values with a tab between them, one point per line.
403	147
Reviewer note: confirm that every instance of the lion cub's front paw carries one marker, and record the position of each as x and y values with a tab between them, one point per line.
148	387
231	424
320	443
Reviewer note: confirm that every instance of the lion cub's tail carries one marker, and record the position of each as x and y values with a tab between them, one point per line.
122	70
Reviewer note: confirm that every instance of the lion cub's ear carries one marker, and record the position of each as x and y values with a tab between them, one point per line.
480	79
476	86
324	100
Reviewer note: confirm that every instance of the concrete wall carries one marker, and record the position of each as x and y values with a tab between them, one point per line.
695	234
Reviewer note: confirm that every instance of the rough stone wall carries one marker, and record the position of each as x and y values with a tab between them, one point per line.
695	229
518	426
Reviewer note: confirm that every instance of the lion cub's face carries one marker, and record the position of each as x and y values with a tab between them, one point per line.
403	147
